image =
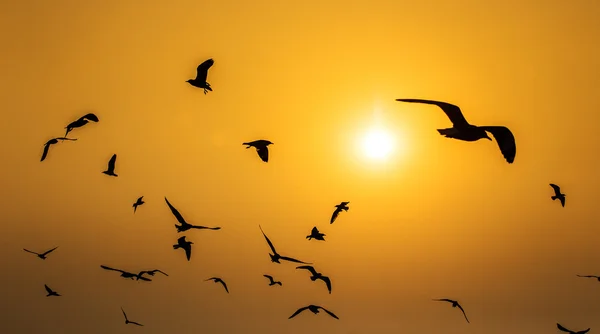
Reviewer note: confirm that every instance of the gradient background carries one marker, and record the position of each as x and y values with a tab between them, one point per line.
440	218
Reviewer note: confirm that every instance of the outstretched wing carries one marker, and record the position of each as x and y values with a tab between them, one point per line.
336	212
562	328
160	271
327	282
111	163
135	323
205	228
202	70
269	277
593	276
90	117
176	213
268	241
506	141
453	112
224	284
124	314
188	251
329	312
293	260
109	268
463	311
48	289
309	268
298	312
556	188
49	251
46	148
27	250
263	153
444	300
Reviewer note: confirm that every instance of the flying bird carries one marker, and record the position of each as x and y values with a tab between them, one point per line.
110	170
52	142
314	233
186	245
454	304
261	148
338	209
590	276
149	272
557	194
42	255
184	225
126	274
137	203
462	130
570	331
316	275
271	281
314	309
83	120
201	75
127	322
218	280
275	257
51	292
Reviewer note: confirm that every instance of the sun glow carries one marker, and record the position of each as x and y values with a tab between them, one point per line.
377	143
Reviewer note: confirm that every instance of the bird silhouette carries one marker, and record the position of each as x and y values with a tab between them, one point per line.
338	209
83	120
201	75
149	272
314	309
42	255
138	203
186	245
314	233
218	280
462	130
127	322
126	274
52	142
316	275
51	292
570	331
590	276
454	304
110	170
275	257
271	281
261	148
557	194
184	225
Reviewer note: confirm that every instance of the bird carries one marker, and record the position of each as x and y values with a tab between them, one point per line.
51	292
557	194
184	225
570	331
138	203
110	170
126	274
201	74
52	142
218	280
338	209
275	257
454	304
186	245
149	272
127	320
314	309
462	130
42	255
271	281
83	120
590	276
316	275
261	148
314	233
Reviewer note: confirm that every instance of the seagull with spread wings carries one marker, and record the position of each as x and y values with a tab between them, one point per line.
137	203
110	170
272	281
454	304
261	148
42	255
557	194
275	257
185	245
201	75
52	142
338	208
185	225
149	272
316	275
83	120
590	276
126	274
218	280
51	292
314	309
315	234
570	331
127	321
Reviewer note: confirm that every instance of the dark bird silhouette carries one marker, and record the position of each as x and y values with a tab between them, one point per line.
126	274
454	304
271	281
201	75
52	142
51	292
462	130
261	148
314	233
184	225
137	203
186	245
570	331
590	276
149	272
275	257
557	194
83	120
338	209
218	280
110	170
316	275
42	255
314	309
127	322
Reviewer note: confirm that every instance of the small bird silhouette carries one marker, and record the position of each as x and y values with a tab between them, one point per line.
51	292
590	276
314	309
218	280
149	272
454	304
338	209
111	166
314	233
52	142
186	245
570	331
126	274
42	255
261	148
83	120
271	281
138	203
275	257
184	225
462	130
316	275
127	322
558	194
201	75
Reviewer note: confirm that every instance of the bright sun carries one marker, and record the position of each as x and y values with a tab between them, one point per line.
377	144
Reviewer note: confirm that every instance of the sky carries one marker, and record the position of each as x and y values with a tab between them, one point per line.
435	218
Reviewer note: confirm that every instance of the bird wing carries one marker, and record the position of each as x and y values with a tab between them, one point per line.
124	314
505	139
205	228
293	260
188	251
135	323
314	230
176	213
90	117
335	214
202	70
48	289
113	269
562	328
144	278
49	251
556	188
268	241
453	112
46	148
309	268
328	312
298	311
463	311
263	153
27	250
160	271
588	276
562	201
327	282
583	332
111	163
269	277
224	284
444	300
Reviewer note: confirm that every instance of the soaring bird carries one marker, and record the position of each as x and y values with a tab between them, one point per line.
126	274
272	281
83	120
137	203
570	331
338	209
149	272
218	280
42	255
275	257
184	225
52	142
201	74
590	276
110	170
462	130
127	322
261	148
51	292
314	309
454	304
557	194
314	233
186	245
316	275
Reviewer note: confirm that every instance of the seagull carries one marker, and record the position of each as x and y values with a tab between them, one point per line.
271	281
558	195
83	120
138	203
51	292
127	320
590	276
314	233
110	170
52	142
570	331
201	74
218	280
261	148
184	225
454	304
186	245
462	130
314	309
126	274
43	255
149	272
275	257
315	276
338	209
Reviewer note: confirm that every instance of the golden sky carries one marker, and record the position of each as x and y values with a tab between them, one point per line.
438	218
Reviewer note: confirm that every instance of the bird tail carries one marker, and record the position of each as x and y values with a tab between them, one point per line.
554	197
447	132
313	278
308	237
247	144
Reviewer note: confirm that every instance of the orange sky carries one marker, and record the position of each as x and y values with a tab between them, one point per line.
439	219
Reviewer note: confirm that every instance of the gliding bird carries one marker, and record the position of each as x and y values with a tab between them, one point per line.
51	292
261	148
557	194
454	304
110	170
315	276
83	120
127	320
52	142
338	209
570	331
218	280
184	225
275	257
43	255
149	272
185	245
271	281
126	274
590	276
314	309
137	203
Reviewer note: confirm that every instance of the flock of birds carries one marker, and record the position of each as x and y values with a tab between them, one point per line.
461	130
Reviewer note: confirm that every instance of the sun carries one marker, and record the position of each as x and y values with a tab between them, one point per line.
377	143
